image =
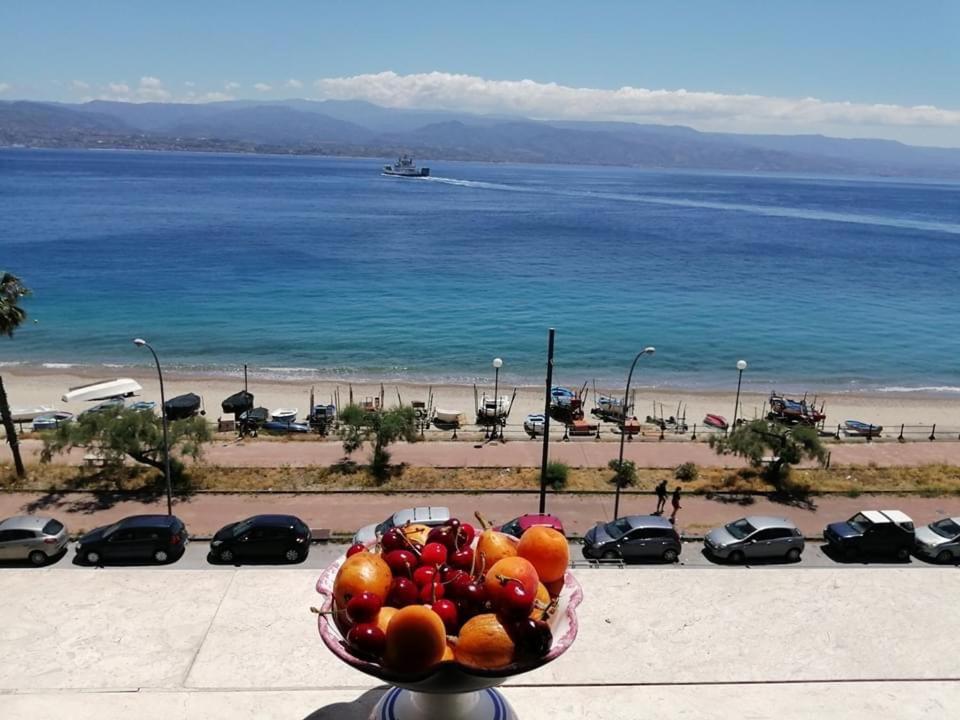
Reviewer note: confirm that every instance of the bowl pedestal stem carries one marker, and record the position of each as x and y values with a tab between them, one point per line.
399	704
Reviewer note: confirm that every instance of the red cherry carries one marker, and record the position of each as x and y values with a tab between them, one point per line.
356	548
465	535
458	582
424	575
401	562
474	594
533	638
394	539
433	554
462	558
403	592
368	639
514	600
442	535
363	608
431	593
447	610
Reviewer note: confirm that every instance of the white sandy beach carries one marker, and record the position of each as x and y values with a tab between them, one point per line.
30	386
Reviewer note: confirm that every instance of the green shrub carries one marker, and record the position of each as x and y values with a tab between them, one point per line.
557	474
687	472
624	475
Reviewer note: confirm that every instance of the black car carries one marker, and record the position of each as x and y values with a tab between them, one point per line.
887	533
634	537
262	537
160	538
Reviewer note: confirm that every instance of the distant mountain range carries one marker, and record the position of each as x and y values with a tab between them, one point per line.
333	127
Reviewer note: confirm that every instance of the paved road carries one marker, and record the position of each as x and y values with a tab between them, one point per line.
580	453
322	554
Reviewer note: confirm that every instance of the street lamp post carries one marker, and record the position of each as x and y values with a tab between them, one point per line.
497	364
741	366
140	342
623	428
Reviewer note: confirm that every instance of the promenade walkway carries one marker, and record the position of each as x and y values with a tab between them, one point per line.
205	513
524	453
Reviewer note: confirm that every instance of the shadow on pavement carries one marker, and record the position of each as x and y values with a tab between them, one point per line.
732	499
359	709
757	562
257	562
860	558
27	564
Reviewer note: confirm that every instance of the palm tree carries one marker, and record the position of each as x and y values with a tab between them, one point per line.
11	316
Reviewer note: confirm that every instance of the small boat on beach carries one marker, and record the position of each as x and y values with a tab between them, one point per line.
277	426
608	408
861	429
237	403
116	403
490	408
716	421
794	412
565	404
284	415
143	405
182	406
52	420
405	167
103	390
22	415
447	417
534	424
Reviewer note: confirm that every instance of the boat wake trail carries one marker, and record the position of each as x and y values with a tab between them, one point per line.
797	213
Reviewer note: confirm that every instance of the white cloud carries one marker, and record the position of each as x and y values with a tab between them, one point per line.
118	88
293	83
232	85
708	110
262	87
190	84
194	97
79	85
150	82
4	87
150	89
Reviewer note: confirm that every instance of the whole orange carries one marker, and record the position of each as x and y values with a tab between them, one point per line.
547	550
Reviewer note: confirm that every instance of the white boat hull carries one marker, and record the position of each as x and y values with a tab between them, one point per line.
121	387
447	416
29	414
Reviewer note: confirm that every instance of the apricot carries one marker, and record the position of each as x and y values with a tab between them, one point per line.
416	640
542	601
510	568
484	644
361	572
386	615
447	654
416	533
547	550
492	547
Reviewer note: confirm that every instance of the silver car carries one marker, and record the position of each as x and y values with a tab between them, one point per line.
756	538
32	538
429	516
939	540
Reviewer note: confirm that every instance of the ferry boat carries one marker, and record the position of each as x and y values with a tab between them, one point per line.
405	167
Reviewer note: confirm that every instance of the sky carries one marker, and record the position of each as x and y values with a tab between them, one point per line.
853	68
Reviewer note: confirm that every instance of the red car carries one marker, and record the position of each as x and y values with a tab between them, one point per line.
520	525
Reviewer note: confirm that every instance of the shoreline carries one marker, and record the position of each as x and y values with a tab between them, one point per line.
30	385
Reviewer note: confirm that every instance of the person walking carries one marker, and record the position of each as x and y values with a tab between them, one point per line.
676	503
661	491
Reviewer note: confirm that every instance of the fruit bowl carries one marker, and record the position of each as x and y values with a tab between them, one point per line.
448	690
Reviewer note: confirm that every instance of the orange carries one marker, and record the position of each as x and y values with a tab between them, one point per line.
547	550
484	644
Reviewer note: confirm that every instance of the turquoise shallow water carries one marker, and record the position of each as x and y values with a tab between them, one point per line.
322	268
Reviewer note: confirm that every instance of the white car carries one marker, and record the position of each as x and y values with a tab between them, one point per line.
420	515
940	540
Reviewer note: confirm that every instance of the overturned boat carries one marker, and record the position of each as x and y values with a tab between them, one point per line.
182	406
103	390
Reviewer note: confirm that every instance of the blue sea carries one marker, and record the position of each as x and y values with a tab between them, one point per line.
321	268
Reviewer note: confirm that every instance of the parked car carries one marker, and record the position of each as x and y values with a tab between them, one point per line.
634	537
872	533
28	537
160	538
262	537
519	525
429	516
755	538
940	540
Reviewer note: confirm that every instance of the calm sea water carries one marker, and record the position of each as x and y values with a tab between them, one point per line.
322	268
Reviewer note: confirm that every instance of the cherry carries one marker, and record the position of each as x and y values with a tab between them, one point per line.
424	575
367	638
433	554
394	539
465	535
447	610
401	562
515	601
442	535
532	637
363	608
431	593
462	558
356	548
403	592
473	595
